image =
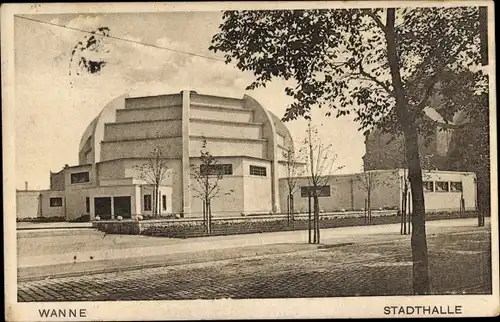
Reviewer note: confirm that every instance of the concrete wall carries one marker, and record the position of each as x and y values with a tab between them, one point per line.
225	129
221	114
57	180
140	148
174	180
107	115
164	191
142	130
347	192
111	169
229	147
28	204
230	201
75	193
257	189
215	100
148	114
436	201
231	198
153	101
76	203
48	211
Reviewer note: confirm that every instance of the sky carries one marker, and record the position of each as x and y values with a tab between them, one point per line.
53	108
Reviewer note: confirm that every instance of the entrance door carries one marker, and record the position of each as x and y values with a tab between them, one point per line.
102	207
122	207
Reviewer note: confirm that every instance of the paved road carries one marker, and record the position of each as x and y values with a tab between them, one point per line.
459	264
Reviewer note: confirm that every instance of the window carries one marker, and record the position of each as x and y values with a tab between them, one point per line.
442	186
147	202
323	191
87	205
217	169
164	202
258	171
80	177
55	202
456	186
428	186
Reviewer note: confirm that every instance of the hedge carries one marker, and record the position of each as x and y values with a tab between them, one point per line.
195	227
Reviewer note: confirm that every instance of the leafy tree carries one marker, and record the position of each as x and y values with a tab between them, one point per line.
207	177
154	172
381	64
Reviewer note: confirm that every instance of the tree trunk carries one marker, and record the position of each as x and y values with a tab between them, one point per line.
421	281
405	208
205	216
292	211
408	207
369	206
309	221
316	220
209	216
364	212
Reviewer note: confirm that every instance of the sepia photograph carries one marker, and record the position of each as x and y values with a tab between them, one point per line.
249	160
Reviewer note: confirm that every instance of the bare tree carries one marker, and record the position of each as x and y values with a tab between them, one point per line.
321	164
294	169
206	187
368	181
154	172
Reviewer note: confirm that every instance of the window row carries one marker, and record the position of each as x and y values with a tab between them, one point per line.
227	169
442	186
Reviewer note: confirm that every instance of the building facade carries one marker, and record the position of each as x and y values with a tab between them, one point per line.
443	191
245	138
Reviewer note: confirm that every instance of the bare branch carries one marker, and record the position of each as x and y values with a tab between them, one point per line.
376	19
373	78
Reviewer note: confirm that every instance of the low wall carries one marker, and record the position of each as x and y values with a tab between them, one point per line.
187	228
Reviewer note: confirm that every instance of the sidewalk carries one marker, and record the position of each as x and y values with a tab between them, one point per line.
21	226
203	249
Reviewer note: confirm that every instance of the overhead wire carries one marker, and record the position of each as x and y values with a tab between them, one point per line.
122	39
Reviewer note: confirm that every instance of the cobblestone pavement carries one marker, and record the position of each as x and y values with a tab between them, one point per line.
459	264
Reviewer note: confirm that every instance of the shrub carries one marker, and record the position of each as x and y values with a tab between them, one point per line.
42	219
82	218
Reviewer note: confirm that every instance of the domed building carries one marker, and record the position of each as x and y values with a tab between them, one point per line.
247	141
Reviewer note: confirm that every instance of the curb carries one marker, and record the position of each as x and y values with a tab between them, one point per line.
151	265
51	228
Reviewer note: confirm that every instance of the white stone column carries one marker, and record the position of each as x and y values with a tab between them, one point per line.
186	196
112	208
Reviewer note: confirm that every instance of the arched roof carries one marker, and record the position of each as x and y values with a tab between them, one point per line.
89	131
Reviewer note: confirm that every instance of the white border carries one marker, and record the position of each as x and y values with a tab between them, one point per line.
219	309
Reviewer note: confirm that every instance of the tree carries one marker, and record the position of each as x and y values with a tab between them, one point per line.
294	169
368	181
154	172
207	176
381	64
320	165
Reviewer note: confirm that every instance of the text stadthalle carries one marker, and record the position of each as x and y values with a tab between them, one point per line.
423	309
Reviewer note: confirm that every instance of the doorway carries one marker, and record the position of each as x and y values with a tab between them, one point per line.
122	207
102	207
